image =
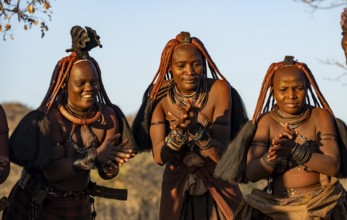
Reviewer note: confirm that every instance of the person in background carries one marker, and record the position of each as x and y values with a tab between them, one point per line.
75	129
343	23
296	143
4	160
187	119
4	154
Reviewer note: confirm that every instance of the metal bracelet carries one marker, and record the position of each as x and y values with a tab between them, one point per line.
176	140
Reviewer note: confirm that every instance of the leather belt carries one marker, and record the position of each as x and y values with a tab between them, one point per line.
107	192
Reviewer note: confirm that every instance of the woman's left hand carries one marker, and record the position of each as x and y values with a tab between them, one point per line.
188	117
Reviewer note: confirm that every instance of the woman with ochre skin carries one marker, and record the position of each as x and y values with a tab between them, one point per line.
295	145
187	120
75	130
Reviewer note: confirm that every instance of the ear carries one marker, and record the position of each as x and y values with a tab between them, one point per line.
272	91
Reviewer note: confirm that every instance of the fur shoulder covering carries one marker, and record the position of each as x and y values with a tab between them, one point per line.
30	143
238	113
125	129
232	166
342	141
142	121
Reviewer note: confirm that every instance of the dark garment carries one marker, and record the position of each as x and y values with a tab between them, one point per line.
200	208
53	207
221	198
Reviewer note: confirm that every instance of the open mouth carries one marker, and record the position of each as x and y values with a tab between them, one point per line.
88	97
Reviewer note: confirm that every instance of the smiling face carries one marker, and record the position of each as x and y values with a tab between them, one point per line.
187	68
83	86
290	90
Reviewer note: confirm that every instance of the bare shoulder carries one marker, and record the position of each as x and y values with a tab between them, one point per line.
110	117
263	128
321	113
219	88
105	109
264	120
218	85
321	116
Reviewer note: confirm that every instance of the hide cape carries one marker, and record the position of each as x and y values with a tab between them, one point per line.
30	143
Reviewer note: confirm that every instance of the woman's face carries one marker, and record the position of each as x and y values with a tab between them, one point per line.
290	90
187	68
83	86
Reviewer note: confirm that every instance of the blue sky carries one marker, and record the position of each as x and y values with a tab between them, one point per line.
243	38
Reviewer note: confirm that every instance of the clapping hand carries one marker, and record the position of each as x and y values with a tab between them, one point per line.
281	146
188	117
109	154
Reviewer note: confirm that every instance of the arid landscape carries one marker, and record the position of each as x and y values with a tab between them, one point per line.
141	176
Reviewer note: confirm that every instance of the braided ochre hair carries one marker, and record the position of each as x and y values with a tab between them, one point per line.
82	42
164	66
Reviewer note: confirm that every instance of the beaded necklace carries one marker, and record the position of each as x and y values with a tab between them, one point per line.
199	96
293	122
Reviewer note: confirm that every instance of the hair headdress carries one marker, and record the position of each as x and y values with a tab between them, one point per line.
265	93
163	72
83	40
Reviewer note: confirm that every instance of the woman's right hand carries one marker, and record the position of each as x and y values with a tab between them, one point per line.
282	145
117	154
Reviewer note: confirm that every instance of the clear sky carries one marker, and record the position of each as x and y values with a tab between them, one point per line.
243	38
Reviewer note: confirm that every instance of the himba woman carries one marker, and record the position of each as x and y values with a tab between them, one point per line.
295	142
187	119
4	160
75	129
4	154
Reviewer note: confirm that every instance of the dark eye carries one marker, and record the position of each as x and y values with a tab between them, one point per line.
80	83
198	64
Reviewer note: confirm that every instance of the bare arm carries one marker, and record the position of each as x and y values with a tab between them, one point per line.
256	168
158	133
220	131
328	160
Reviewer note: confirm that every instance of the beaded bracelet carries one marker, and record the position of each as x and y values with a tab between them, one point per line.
199	135
175	140
207	145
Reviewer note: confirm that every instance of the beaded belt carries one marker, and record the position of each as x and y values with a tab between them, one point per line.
287	192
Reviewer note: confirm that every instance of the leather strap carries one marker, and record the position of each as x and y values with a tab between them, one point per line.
107	192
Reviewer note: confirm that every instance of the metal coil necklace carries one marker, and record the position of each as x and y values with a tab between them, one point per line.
293	122
78	117
199	96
